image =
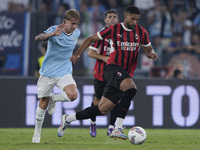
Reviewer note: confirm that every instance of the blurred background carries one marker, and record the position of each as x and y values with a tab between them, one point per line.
173	26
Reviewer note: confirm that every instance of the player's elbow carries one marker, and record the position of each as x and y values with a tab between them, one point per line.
36	38
91	39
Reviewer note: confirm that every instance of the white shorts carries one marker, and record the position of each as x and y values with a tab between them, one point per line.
46	84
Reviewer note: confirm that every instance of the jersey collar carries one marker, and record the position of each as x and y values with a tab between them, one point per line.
68	34
125	28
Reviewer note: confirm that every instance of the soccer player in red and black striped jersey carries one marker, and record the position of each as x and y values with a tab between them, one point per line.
100	50
127	38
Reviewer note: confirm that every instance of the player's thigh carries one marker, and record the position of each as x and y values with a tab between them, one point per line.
45	86
67	84
127	83
99	88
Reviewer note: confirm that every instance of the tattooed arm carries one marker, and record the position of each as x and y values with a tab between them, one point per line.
43	36
46	36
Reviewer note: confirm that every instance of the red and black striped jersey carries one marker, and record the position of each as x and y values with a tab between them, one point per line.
126	44
102	47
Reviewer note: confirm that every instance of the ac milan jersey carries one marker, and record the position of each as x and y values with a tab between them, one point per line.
126	44
103	47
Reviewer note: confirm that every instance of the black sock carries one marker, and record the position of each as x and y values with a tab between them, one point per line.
93	118
113	114
88	113
126	102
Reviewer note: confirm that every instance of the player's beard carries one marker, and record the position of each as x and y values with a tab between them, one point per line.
130	26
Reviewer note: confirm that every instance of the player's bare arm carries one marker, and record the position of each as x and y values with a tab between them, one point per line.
95	55
46	36
150	53
84	46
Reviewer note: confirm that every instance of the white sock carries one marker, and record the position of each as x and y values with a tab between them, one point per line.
40	113
119	123
111	126
62	97
71	118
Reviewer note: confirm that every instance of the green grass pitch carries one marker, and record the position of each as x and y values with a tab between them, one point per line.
80	139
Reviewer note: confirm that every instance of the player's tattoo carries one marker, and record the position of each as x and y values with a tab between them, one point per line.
42	36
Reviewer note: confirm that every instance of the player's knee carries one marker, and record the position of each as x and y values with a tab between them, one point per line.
103	112
44	103
126	84
73	96
96	101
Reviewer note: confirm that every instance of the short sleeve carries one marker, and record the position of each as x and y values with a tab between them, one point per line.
50	29
106	33
145	38
95	45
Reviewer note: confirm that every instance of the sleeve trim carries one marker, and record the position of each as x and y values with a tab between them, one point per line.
146	44
98	33
93	48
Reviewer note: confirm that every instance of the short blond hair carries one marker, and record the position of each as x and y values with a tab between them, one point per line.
72	13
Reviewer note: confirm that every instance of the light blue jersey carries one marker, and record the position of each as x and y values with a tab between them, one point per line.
59	50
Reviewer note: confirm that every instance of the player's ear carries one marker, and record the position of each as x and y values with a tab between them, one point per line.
105	20
126	15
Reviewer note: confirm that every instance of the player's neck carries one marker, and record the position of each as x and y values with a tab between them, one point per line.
125	25
67	32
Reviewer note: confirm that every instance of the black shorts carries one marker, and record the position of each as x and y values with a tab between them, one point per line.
114	75
99	88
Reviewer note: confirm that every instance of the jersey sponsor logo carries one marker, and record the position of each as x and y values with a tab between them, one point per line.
60	39
129	46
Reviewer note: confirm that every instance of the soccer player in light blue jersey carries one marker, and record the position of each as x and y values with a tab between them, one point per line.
56	68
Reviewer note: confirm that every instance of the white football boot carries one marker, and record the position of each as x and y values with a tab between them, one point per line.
118	133
36	138
64	124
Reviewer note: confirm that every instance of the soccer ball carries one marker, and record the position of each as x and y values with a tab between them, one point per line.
137	135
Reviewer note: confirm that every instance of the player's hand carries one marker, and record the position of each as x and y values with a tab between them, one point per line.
153	55
74	58
59	29
105	59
